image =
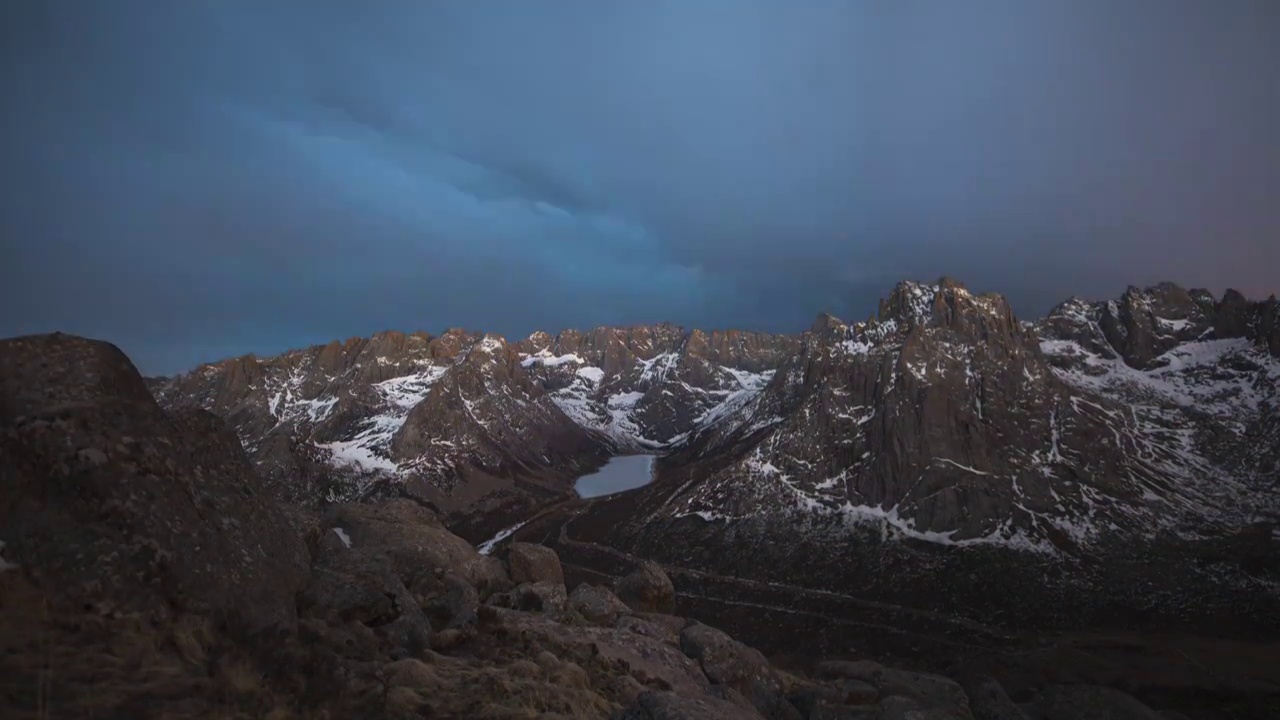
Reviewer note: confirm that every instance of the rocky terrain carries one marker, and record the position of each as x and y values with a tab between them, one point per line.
943	419
468	421
1111	467
149	571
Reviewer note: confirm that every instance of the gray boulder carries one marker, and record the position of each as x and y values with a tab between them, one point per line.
666	628
596	604
727	662
356	587
416	542
647	589
544	597
529	563
450	603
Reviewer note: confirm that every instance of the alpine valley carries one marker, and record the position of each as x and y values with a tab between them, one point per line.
1127	450
1072	517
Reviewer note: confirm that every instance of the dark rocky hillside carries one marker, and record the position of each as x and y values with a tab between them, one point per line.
149	572
1110	467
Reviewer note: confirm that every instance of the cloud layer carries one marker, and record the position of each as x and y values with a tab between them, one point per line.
194	180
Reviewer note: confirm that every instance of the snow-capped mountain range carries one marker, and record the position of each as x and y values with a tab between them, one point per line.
942	419
436	413
946	420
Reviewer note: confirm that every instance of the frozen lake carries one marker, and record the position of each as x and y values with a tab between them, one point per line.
623	472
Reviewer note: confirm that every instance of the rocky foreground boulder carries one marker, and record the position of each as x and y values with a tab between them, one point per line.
146	572
647	589
117	503
534	563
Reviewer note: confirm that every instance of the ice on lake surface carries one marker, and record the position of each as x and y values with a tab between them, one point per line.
623	472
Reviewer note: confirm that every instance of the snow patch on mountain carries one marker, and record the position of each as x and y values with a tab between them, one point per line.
491	343
368	450
591	374
1164	422
919	299
889	523
407	391
1215	376
545	358
287	405
1155	471
750	386
658	367
597	404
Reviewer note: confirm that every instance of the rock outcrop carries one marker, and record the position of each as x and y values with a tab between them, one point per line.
105	496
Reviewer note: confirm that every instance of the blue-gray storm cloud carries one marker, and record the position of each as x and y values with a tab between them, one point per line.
194	180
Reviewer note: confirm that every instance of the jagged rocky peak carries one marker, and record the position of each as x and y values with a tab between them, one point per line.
944	420
1148	322
490	348
452	342
752	351
1144	324
828	325
490	365
1258	321
910	303
617	349
1234	316
947	303
338	356
393	344
907	418
914	310
537	340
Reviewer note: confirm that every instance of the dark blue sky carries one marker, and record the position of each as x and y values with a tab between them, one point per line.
193	180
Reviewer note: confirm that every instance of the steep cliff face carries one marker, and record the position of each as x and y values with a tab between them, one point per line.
946	455
487	412
946	419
